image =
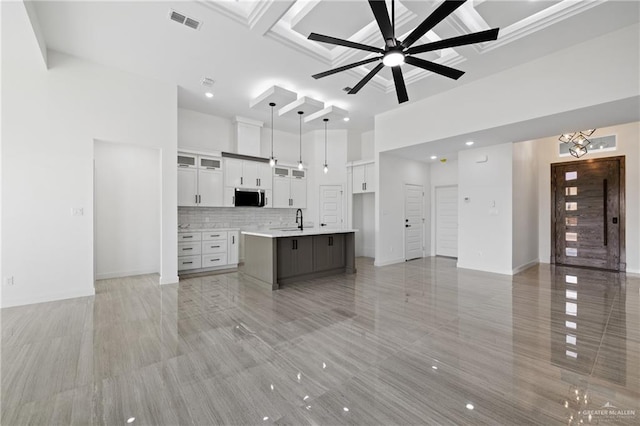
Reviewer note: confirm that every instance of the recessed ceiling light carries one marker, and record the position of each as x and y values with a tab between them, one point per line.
470	407
433	157
469	143
209	95
346	119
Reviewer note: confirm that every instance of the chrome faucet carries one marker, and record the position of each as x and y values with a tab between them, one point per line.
299	216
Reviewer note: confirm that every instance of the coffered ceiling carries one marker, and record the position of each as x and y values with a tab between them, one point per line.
247	46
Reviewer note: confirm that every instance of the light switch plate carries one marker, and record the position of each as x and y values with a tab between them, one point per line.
77	211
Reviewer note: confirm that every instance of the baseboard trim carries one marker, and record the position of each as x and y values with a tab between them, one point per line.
110	275
521	268
491	271
169	280
387	262
51	297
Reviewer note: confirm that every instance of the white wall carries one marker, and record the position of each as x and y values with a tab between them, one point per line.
367	146
485	220
337	174
364	222
441	174
127	210
50	119
203	132
539	88
628	136
525	206
393	173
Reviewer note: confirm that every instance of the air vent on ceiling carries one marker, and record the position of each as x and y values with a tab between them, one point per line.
207	82
184	20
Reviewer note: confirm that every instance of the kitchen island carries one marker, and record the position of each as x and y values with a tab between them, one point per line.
277	257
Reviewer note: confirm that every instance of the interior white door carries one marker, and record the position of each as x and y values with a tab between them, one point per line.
331	206
447	221
413	223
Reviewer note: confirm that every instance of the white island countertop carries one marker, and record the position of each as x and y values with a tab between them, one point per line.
291	232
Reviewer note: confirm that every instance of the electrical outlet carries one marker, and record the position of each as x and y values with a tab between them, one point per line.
8	281
77	211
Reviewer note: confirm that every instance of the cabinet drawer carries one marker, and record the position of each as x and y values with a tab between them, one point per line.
210	260
188	236
189	262
213	235
188	249
214	246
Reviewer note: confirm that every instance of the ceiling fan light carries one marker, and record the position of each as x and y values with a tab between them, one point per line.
393	58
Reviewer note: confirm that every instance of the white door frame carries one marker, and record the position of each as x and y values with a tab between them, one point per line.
434	209
404	213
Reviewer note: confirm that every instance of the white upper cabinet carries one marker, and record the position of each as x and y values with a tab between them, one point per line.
187	186
363	178
289	188
247	174
233	172
200	180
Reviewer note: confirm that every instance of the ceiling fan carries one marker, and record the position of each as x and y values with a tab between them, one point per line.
396	52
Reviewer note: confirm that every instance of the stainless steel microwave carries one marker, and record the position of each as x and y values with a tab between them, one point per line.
248	198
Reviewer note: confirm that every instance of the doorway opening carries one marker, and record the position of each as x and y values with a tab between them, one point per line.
446	221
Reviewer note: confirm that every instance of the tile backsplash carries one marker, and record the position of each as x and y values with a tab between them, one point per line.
234	217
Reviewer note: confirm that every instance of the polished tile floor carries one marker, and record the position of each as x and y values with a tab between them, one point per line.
415	343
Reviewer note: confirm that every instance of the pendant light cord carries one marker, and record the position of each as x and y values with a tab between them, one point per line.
300	113
272	105
326	120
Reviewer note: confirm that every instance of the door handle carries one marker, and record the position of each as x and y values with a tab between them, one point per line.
323	224
407	226
604	211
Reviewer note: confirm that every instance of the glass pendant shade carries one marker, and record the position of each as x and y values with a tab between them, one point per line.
567	137
578	150
325	169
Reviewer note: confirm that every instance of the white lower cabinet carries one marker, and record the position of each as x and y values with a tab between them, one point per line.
208	250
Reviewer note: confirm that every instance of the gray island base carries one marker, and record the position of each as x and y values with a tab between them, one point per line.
274	258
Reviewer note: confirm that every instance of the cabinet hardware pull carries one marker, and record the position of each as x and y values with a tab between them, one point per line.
215	260
187	236
183	165
233	200
211	168
215	246
187	248
604	215
186	263
240	180
233	239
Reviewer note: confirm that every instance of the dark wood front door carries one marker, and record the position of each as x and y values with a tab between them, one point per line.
587	218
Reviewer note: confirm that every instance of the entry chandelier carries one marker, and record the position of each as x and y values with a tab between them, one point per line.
579	140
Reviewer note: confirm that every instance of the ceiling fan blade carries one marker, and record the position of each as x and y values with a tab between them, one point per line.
345	67
462	40
401	89
444	10
379	9
366	79
341	42
433	67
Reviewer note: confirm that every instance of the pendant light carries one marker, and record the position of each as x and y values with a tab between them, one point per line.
325	169
272	160
300	166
